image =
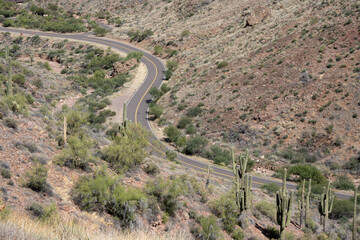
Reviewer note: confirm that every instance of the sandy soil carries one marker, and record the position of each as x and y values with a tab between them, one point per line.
118	99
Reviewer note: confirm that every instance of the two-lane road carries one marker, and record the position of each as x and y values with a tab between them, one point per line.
137	105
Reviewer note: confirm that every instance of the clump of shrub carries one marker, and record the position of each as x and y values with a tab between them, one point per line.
172	133
209	228
35	179
266	208
195	145
77	154
194	111
183	122
11	123
222	64
343	182
155	110
138	35
127	150
104	193
271	188
41	212
306	171
5	173
152	169
218	155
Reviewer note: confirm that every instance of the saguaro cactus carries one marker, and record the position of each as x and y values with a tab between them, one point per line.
283	206
124	123
243	182
326	204
307	202
301	204
9	81
355	215
208	179
65	130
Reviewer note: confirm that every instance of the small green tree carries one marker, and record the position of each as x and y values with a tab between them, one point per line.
99	31
155	110
36	178
172	133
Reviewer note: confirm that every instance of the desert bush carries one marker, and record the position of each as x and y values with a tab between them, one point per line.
135	54
77	154
353	163
127	150
342	208
36	178
267	209
218	155
37	210
138	35
271	187
5	173
75	121
99	31
221	64
209	228
194	111
298	156
343	182
272	232
17	103
172	133
19	79
306	171
226	209
155	110
172	65
167	191
171	155
11	123
152	169
195	145
183	122
31	146
101	192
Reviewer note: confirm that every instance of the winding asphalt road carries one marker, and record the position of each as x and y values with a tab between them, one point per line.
137	105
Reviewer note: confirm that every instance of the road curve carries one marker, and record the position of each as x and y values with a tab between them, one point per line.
137	105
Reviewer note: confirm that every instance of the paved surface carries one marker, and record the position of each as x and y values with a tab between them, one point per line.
138	104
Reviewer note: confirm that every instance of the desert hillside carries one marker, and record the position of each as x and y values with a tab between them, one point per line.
279	80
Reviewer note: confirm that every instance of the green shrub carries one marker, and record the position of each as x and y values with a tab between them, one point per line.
195	145
77	154
171	155
19	79
101	192
172	133
343	182
75	121
267	209
218	155
226	209
168	74
138	35
271	187
221	64
127	150
37	210
272	232
183	122
238	234
36	178
152	169
190	129
194	112
155	110
305	172
172	65
17	103
209	228
342	208
11	123
298	156
353	163
99	31
5	173
135	54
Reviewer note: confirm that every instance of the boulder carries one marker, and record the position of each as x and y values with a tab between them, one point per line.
257	15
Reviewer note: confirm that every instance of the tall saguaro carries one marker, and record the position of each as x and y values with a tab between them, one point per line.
301	204
243	181
283	206
355	215
9	81
307	202
326	204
